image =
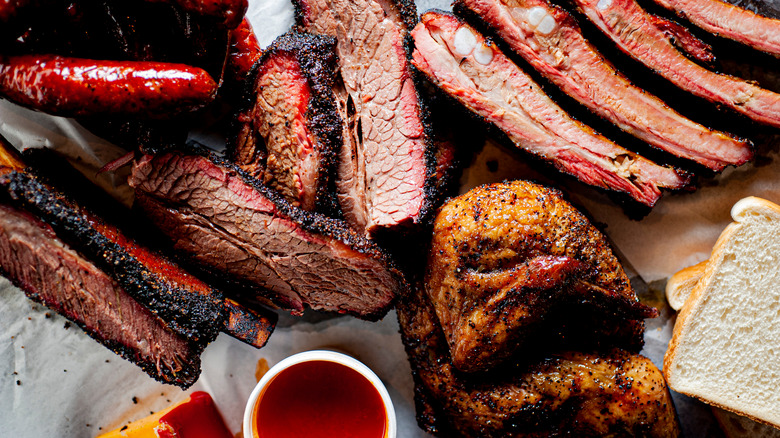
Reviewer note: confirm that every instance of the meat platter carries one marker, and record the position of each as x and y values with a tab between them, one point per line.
85	396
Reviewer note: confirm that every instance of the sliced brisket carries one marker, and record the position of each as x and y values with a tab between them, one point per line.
475	72
188	306
549	39
52	273
289	136
229	223
730	21
386	167
639	34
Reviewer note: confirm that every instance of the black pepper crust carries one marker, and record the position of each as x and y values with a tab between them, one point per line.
194	316
248	325
317	57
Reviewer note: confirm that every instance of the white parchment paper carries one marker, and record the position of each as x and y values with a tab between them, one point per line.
57	382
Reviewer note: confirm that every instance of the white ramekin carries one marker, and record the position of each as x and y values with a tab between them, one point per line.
319	355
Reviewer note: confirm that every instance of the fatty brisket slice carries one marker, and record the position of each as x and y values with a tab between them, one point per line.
549	39
386	164
474	72
290	132
233	226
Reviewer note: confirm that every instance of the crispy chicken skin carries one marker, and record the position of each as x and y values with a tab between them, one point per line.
566	394
505	256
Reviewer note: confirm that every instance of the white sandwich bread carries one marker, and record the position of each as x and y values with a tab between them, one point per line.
726	344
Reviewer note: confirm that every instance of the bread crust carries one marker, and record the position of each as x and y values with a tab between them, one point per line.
701	290
681	284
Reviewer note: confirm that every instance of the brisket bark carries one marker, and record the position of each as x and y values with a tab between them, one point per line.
289	136
730	21
188	306
52	273
476	73
549	39
232	225
386	163
638	33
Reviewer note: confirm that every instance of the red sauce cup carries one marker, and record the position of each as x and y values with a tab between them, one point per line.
319	394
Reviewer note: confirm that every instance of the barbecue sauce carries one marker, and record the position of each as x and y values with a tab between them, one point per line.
320	399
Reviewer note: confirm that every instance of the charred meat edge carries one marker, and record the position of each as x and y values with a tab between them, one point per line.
316	57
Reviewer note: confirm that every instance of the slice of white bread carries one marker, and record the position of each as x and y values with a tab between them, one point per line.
681	284
725	349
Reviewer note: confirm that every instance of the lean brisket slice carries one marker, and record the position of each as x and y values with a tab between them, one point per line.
188	306
52	273
229	223
289	135
730	21
549	39
385	170
134	302
478	75
637	33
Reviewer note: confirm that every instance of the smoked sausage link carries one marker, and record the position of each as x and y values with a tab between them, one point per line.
74	87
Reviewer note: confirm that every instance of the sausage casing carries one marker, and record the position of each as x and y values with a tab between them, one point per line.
74	87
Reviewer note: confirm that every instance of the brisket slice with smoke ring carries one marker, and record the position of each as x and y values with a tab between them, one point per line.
289	134
638	34
188	306
50	272
549	39
229	223
730	21
386	164
478	75
252	326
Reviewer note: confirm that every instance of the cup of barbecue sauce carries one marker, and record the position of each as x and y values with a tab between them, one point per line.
319	394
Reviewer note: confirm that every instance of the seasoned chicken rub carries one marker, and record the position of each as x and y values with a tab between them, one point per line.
565	394
504	256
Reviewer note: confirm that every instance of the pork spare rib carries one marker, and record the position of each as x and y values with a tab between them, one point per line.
643	36
547	37
475	72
